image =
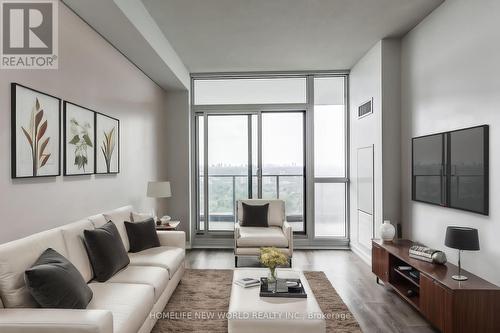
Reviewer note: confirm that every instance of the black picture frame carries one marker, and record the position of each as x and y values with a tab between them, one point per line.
446	176
65	166
98	149
14	143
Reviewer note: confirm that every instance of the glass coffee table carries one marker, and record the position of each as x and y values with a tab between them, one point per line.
250	313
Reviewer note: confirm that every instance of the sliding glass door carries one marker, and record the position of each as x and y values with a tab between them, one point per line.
249	155
283	163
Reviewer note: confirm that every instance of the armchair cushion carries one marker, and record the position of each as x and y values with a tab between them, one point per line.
276	212
257	237
255	215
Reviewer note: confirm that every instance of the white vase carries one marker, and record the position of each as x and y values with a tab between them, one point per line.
387	231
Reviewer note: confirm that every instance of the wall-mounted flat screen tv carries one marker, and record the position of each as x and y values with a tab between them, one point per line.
450	169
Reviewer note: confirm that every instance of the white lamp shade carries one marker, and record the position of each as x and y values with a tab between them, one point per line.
159	190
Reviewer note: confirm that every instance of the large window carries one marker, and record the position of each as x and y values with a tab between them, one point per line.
329	157
258	137
250	91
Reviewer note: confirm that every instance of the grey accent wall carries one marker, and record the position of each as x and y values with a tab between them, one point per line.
178	147
451	80
91	73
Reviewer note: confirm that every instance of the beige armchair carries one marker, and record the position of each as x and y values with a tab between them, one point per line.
249	240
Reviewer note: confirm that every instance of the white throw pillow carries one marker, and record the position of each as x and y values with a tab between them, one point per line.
140	217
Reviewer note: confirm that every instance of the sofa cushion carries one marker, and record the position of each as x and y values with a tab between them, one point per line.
276	213
97	220
139	217
255	215
54	282
106	251
156	277
142	235
119	216
77	254
257	237
16	257
167	257
130	304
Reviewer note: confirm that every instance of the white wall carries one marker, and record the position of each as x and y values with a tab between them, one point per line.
91	73
451	80
365	82
376	75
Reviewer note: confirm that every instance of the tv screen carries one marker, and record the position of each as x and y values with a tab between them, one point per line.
428	169
451	169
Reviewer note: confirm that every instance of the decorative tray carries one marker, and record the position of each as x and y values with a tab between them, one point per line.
290	288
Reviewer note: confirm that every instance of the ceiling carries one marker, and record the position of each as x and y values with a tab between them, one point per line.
276	35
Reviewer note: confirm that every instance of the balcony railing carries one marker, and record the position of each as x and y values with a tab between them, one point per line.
240	189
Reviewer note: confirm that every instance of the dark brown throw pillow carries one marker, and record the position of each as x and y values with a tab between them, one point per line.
254	216
54	282
106	251
142	235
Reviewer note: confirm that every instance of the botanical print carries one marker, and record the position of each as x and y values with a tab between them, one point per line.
35	136
108	144
108	147
35	133
79	140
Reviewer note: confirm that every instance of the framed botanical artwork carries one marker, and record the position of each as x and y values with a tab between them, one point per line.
107	129
79	140
36	133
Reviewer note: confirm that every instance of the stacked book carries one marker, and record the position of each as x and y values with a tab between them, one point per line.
422	253
247	282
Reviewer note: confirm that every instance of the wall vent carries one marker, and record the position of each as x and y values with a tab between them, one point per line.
365	109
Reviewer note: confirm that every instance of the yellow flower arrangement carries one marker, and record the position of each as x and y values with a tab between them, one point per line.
271	257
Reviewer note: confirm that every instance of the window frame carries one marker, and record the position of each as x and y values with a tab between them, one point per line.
302	240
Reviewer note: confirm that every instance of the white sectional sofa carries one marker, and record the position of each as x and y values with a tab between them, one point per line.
126	303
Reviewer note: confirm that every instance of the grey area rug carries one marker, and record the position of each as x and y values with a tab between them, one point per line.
202	298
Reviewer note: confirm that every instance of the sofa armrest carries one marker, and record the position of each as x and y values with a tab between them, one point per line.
236	235
288	231
237	230
172	238
55	321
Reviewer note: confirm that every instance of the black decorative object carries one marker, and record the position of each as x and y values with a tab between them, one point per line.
54	282
288	288
461	238
451	169
35	133
106	251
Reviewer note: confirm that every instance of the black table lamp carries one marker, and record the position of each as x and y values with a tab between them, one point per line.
461	238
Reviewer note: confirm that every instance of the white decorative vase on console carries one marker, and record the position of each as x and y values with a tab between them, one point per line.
387	231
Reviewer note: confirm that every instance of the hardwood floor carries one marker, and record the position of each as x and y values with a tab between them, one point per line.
376	308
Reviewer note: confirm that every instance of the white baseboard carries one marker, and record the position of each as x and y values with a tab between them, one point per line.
361	253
